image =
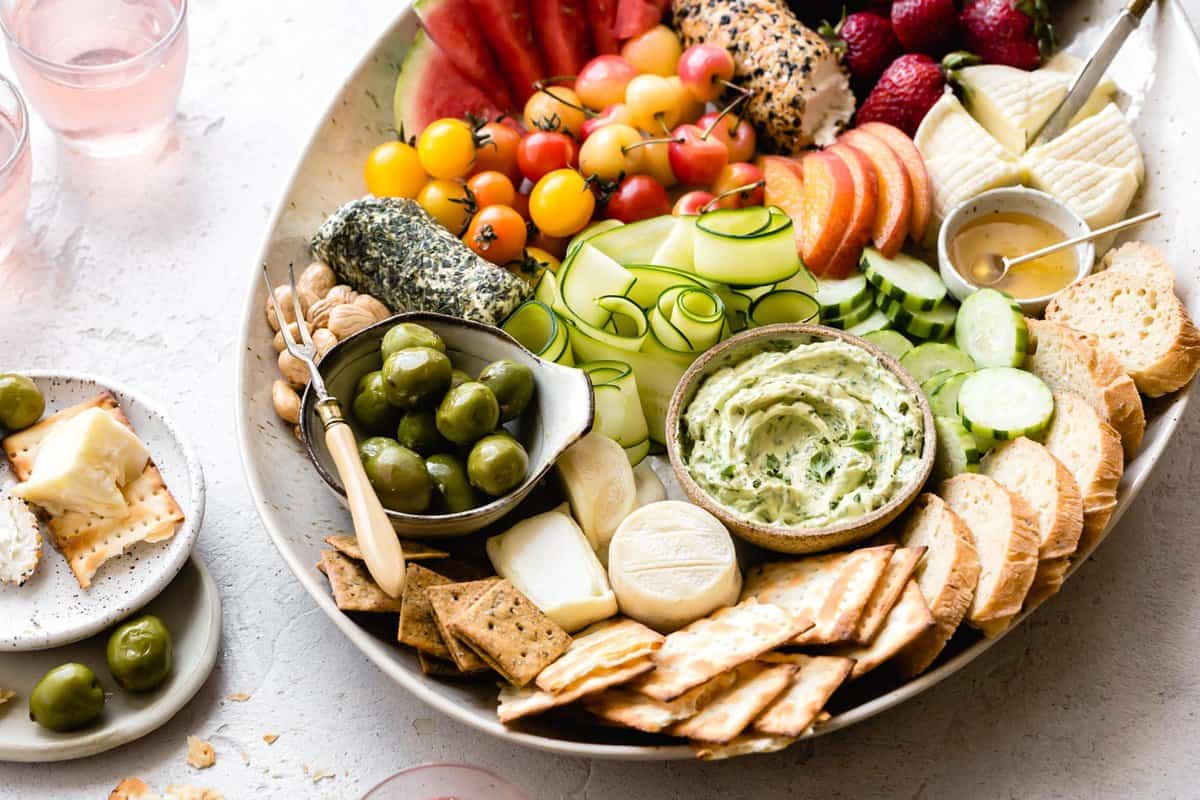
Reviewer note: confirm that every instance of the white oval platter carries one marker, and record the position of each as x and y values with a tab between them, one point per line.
1156	74
50	609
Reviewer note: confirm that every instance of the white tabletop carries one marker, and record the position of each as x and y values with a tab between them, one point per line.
137	271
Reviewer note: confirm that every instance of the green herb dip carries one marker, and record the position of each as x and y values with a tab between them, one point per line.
805	437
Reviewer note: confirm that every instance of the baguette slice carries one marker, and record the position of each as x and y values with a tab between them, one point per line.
1033	473
1005	534
1091	449
946	574
1072	361
1132	308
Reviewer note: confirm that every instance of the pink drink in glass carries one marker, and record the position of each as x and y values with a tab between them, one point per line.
105	74
16	166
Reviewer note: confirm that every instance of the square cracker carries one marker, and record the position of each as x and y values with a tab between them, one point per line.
751	743
88	541
814	682
447	601
899	569
757	684
413	551
438	667
417	626
719	642
632	709
907	620
510	633
604	645
353	588
524	701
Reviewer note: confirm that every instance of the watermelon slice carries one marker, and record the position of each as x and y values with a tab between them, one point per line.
602	19
635	17
562	34
509	31
453	28
430	87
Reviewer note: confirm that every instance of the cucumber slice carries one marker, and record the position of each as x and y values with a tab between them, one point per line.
907	280
540	331
957	451
854	315
768	257
935	381
782	306
618	409
839	296
595	229
934	324
890	342
925	361
676	250
636	242
738	223
944	398
802	281
992	330
875	323
1004	403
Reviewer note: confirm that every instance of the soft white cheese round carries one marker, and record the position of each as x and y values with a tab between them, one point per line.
671	563
20	541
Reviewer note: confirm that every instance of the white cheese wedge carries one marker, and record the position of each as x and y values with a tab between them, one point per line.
549	559
598	481
82	465
647	487
1067	66
672	563
20	541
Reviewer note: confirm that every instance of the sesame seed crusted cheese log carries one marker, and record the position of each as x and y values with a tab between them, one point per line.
800	95
390	248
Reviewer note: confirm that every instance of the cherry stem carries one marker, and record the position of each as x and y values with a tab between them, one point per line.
544	87
644	142
749	187
712	126
742	90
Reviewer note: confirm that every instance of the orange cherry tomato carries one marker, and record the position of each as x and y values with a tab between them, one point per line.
497	150
497	233
491	188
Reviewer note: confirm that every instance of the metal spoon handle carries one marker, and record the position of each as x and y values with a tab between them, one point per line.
1087	237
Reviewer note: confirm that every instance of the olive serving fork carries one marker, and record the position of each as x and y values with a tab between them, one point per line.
376	536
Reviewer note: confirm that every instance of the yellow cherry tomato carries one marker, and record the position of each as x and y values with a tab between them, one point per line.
561	203
690	109
656	51
653	104
393	170
540	259
448	202
447	148
656	163
610	152
555	108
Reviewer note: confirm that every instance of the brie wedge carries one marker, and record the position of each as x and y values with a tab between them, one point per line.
598	481
82	466
549	559
20	541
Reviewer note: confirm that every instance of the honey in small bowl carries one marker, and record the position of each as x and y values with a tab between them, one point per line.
1012	234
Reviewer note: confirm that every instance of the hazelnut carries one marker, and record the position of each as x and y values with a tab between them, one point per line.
280	343
377	309
286	400
348	319
293	369
317	279
324	339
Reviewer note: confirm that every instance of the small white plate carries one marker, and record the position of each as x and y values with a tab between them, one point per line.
50	610
190	608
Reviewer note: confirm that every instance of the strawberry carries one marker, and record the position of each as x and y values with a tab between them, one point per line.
925	26
1013	32
867	42
907	90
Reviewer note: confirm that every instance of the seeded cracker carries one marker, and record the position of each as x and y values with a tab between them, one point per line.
353	588
437	667
447	601
413	551
417	626
510	633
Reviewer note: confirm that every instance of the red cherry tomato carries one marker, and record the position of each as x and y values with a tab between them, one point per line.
497	233
638	197
491	188
499	152
541	152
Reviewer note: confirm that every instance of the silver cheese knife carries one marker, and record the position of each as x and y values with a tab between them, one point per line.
1093	70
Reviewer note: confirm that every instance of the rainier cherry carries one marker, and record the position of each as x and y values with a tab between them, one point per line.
739	185
638	197
693	202
602	81
704	69
617	113
696	160
737	134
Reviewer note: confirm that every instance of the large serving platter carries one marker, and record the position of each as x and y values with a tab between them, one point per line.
1156	73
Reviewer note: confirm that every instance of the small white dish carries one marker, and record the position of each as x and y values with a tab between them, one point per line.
190	607
51	610
1012	199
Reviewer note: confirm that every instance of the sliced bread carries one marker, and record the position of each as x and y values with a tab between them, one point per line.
946	574
1051	573
1072	361
1091	449
1005	534
1132	308
1030	470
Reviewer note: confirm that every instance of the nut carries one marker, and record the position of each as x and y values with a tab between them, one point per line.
299	434
293	369
348	319
307	298
280	344
324	339
317	279
286	400
342	293
373	306
318	312
283	295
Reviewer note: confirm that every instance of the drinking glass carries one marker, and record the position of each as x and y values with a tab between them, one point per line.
16	166
445	782
104	74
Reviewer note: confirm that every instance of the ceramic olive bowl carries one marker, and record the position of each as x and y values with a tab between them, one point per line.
559	414
782	538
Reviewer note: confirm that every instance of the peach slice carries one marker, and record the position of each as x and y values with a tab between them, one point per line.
893	213
785	185
918	177
828	206
862	219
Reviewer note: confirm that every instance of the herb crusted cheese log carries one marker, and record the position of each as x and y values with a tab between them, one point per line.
390	248
800	95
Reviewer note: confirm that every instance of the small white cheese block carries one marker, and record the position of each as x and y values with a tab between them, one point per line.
598	481
82	465
549	559
672	563
20	541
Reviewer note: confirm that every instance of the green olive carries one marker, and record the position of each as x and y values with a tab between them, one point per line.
139	654
21	402
371	407
497	464
66	698
454	488
418	431
399	477
458	378
410	334
416	377
512	383
369	448
467	413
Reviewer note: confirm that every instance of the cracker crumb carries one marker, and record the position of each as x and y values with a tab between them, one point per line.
132	789
200	754
6	695
192	793
239	697
270	738
321	774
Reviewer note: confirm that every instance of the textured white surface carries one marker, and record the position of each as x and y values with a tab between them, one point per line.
137	271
